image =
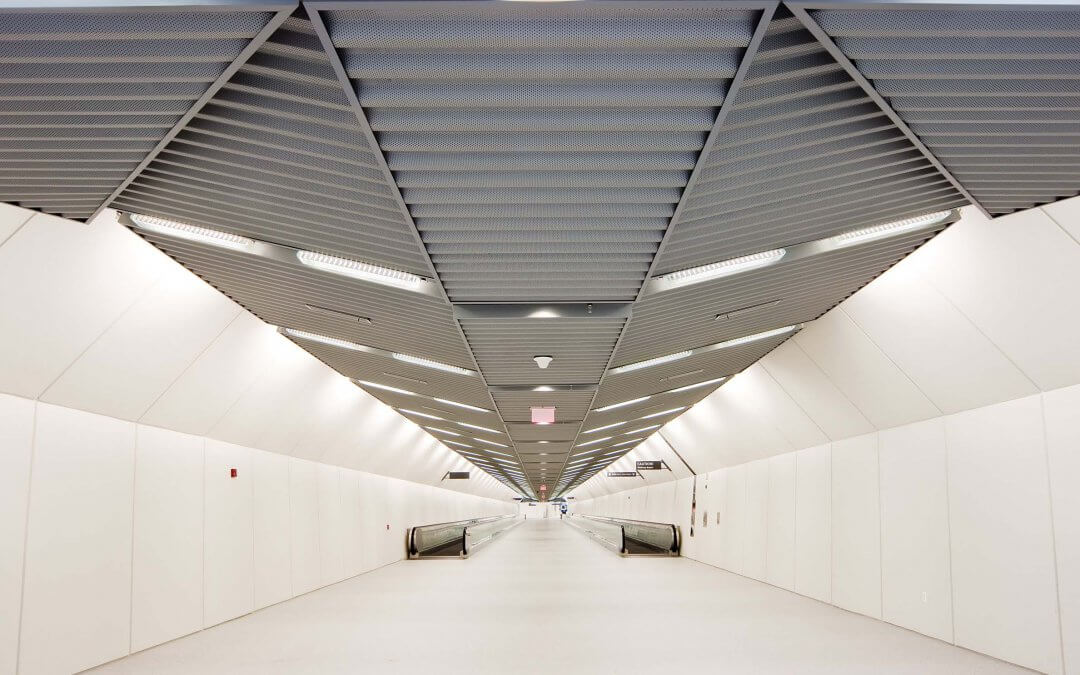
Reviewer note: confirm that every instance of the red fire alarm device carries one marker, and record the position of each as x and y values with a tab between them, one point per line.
232	473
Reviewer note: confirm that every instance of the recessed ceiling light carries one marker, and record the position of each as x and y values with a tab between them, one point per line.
443	431
428	363
620	405
724	268
462	405
478	427
420	414
688	387
387	387
360	270
202	235
663	412
651	362
606	426
594	441
886	230
484	440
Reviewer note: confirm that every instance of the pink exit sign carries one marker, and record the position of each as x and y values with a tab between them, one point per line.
543	414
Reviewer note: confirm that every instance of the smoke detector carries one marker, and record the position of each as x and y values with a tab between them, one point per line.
543	361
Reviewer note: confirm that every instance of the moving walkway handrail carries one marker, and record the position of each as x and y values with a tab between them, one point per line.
642	537
452	539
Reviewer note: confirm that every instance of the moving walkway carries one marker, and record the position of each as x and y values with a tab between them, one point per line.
456	539
631	537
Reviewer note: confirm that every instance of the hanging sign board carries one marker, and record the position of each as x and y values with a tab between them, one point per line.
622	474
649	465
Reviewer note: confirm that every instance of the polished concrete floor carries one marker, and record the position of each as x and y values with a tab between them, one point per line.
546	599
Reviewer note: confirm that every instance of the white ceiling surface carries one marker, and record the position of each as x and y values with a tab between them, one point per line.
95	318
986	312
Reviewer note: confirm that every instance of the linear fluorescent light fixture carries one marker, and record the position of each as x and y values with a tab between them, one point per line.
478	427
324	339
464	445
360	270
386	387
443	431
648	363
632	440
484	440
201	235
428	363
462	405
420	414
892	229
688	387
753	338
724	268
606	426
641	430
594	441
623	404
663	412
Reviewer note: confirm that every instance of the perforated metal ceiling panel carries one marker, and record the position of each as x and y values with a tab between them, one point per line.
541	147
542	166
86	95
993	91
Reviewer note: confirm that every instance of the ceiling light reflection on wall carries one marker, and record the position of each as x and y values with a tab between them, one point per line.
202	235
724	268
360	270
892	229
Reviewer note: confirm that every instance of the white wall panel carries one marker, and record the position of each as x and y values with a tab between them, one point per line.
331	525
1004	591
813	531
272	528
353	521
228	581
167	560
16	443
304	499
1015	278
81	496
803	380
136	359
872	382
735	519
780	540
62	283
755	531
1066	214
954	364
856	526
776	407
915	579
217	378
11	219
1062	413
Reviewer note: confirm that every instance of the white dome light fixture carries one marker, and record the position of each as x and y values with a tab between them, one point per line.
543	361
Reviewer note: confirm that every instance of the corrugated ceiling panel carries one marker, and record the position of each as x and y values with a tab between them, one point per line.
993	92
804	154
284	294
541	148
504	349
85	96
278	155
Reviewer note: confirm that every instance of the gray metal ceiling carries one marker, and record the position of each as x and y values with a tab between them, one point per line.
530	154
993	92
86	95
